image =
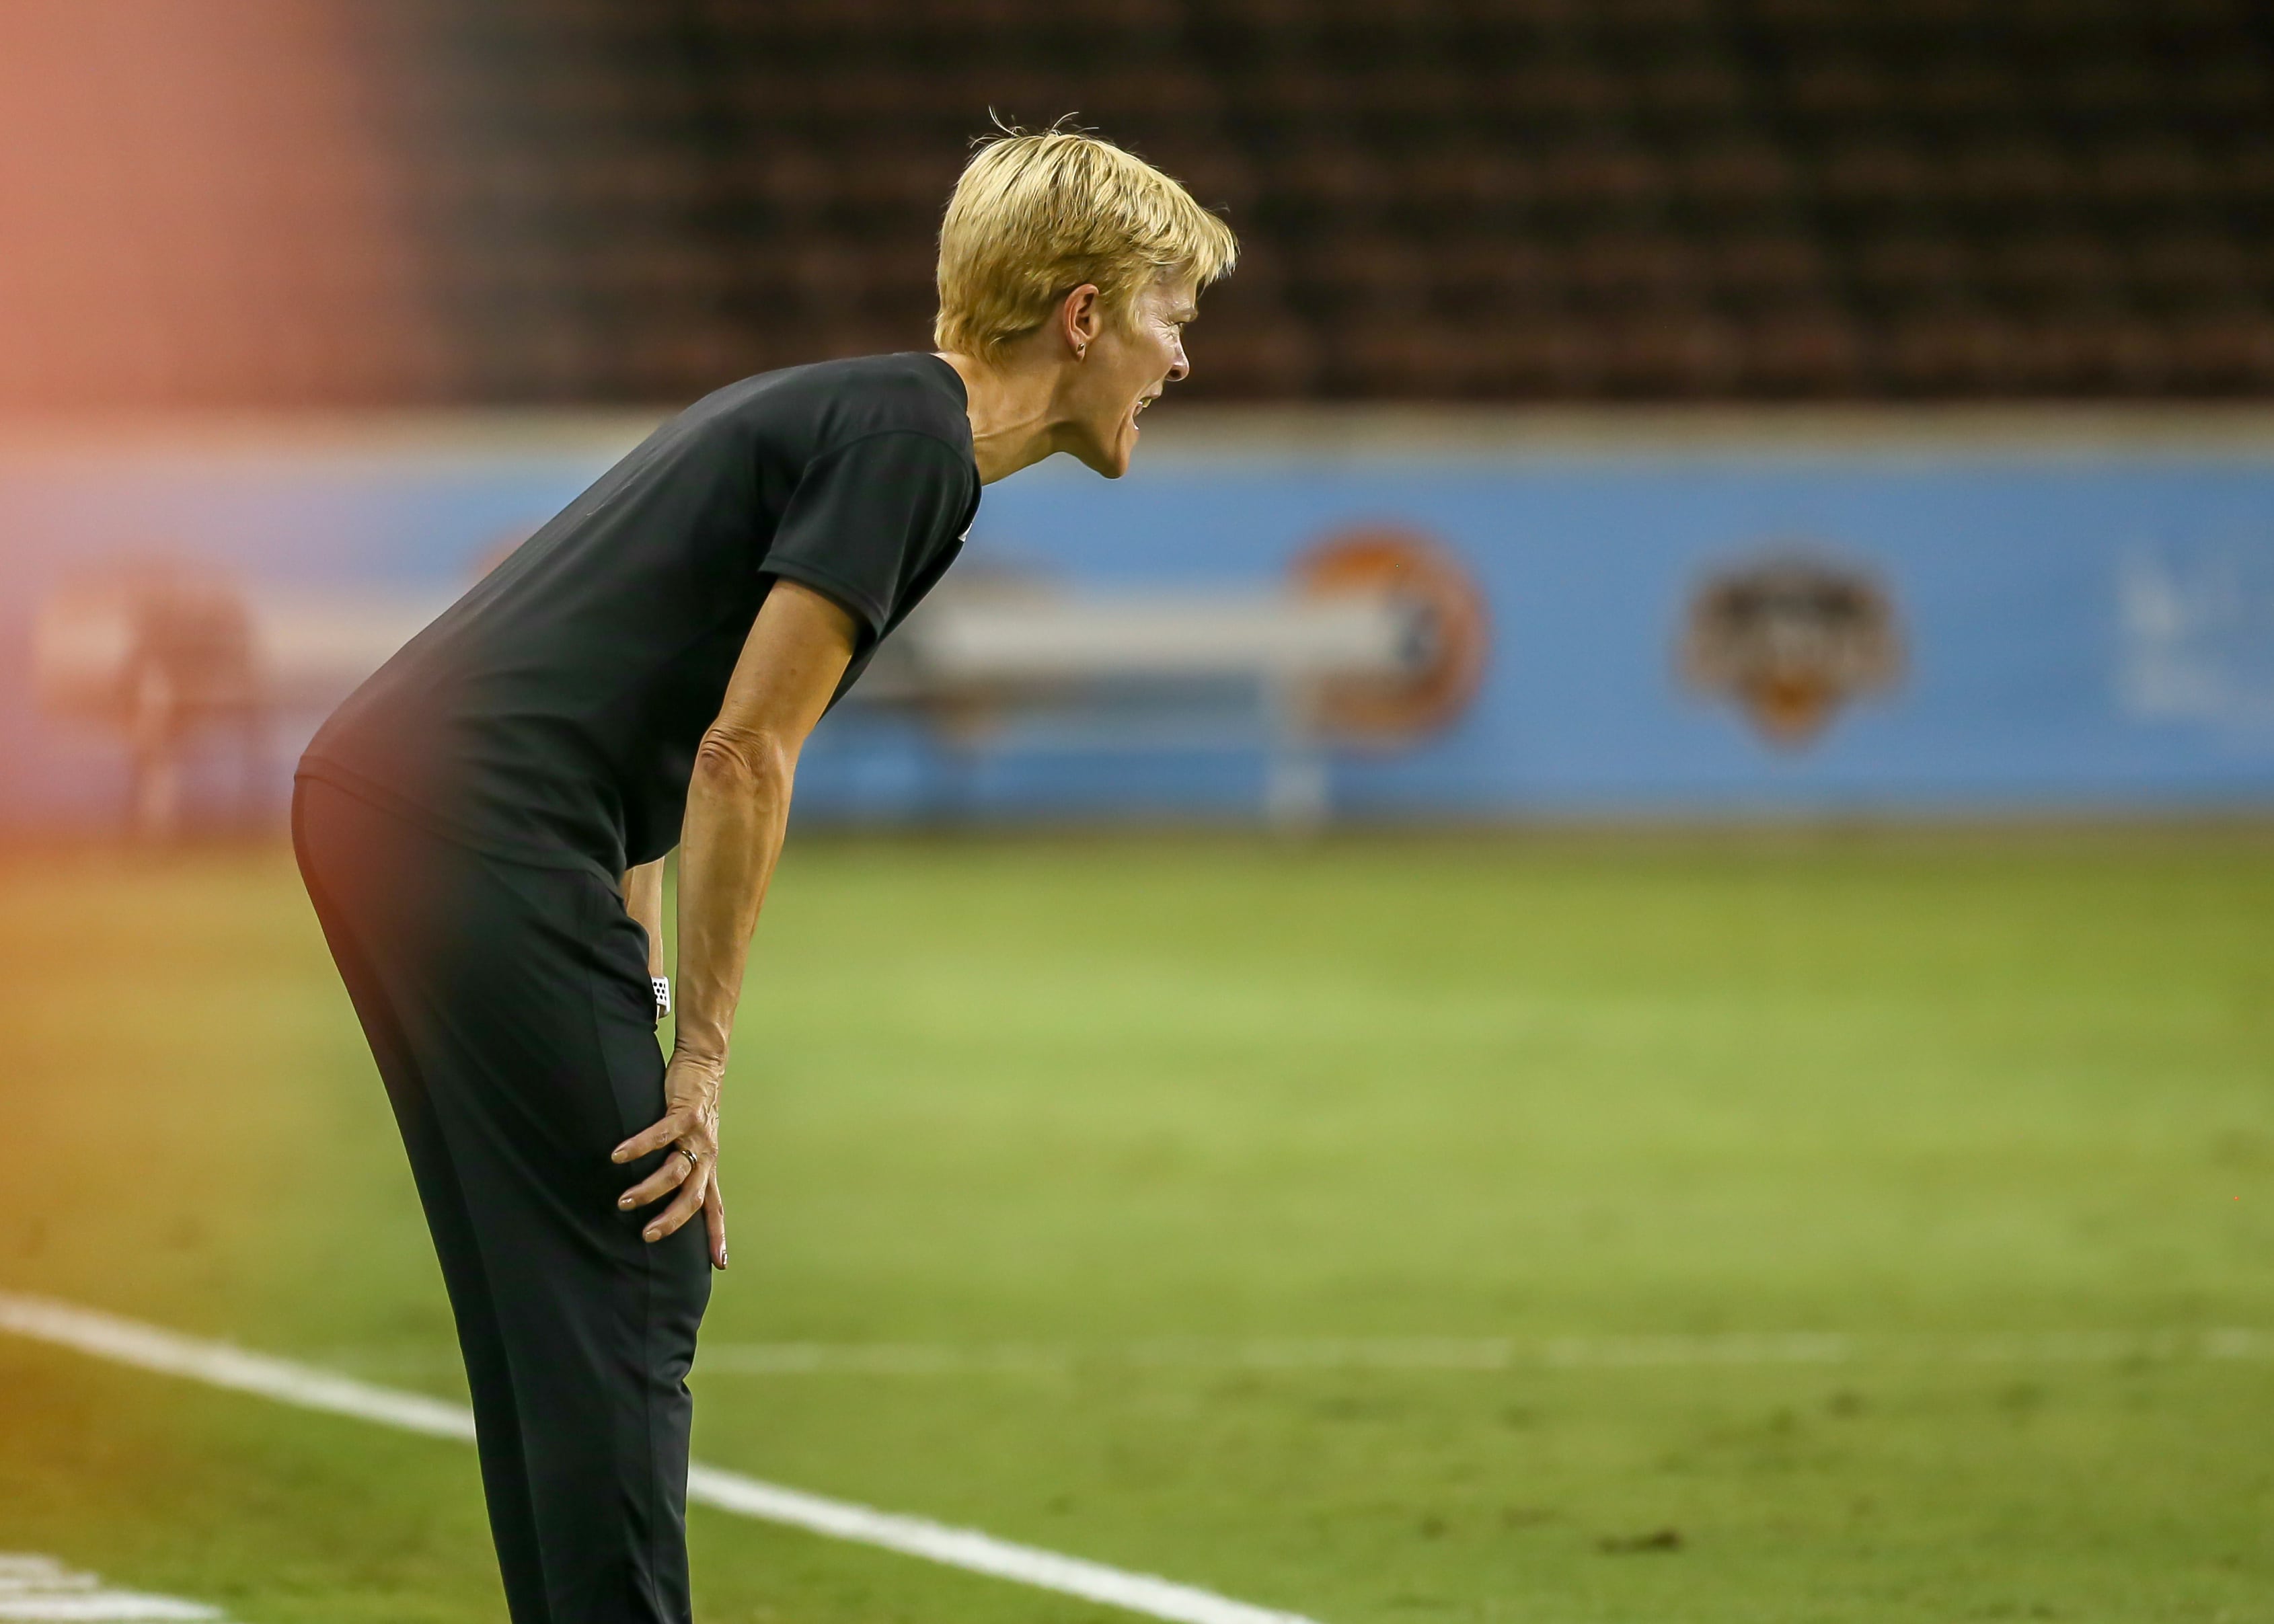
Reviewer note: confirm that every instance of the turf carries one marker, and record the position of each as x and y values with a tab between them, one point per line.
1102	1096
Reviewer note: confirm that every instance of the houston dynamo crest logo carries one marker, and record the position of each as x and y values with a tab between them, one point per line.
1791	638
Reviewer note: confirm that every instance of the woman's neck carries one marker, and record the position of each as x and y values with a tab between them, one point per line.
1014	420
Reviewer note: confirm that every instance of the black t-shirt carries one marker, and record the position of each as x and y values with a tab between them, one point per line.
552	714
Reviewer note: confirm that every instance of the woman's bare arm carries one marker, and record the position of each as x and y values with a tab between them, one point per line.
737	811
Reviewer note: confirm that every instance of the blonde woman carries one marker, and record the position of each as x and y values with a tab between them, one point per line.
482	825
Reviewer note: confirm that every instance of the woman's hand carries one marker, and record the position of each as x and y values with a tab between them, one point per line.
690	1173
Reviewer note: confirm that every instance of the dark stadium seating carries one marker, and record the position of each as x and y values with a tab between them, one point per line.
1439	198
1470	199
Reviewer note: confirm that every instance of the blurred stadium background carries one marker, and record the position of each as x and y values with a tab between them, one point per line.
1832	434
1954	316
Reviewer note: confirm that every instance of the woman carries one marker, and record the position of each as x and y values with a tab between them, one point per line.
482	825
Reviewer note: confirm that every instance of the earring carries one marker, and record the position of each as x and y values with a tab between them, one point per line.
1081	350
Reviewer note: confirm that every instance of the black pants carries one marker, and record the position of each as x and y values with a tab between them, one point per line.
510	1012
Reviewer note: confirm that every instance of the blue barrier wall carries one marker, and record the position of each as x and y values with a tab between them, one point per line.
2087	627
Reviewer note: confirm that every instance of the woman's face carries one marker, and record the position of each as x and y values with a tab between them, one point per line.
1127	364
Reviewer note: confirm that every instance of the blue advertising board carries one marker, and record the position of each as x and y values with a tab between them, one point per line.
2082	626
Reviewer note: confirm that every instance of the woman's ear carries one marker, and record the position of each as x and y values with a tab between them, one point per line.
1081	317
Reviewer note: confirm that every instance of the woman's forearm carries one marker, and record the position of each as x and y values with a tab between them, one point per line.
737	812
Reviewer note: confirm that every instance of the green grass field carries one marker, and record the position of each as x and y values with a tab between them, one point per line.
1139	1105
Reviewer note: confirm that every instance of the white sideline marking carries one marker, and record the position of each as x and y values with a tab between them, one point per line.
149	1347
41	1588
218	1364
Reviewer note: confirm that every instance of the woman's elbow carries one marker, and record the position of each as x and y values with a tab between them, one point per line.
745	758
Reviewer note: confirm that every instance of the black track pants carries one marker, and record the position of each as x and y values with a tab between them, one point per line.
510	1012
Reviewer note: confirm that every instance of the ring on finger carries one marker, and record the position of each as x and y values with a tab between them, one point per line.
693	1161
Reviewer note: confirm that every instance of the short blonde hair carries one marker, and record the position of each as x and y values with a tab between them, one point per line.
1036	214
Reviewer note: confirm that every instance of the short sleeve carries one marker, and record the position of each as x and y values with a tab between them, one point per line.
866	518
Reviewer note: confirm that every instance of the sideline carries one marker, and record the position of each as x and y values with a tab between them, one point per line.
220	1365
42	1588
